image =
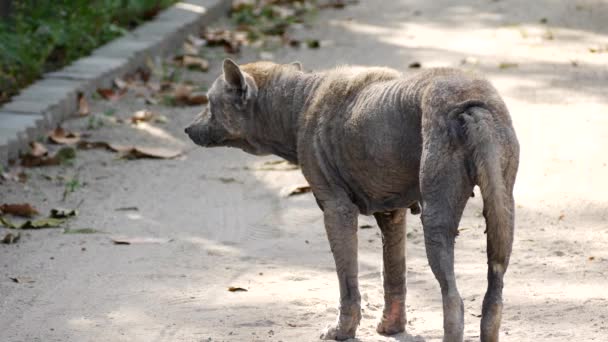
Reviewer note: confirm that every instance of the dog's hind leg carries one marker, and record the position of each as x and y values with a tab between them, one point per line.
392	225
495	153
341	225
445	188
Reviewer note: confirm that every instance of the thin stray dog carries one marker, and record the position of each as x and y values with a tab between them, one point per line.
371	141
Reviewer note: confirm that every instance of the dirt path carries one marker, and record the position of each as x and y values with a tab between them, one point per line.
222	219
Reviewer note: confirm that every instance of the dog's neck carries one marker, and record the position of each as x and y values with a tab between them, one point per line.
280	103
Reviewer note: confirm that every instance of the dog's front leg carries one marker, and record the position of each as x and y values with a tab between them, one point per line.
341	226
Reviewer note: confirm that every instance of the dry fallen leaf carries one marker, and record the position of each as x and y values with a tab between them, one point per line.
182	92
37	224
10	238
83	106
63	137
21	280
110	94
127	209
415	65
190	49
15	175
120	83
62	213
198	98
236	289
194	62
22	209
146	115
507	65
38	149
138	240
63	155
225	38
88	145
299	190
145	152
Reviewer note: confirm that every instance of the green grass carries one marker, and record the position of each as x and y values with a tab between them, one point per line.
42	36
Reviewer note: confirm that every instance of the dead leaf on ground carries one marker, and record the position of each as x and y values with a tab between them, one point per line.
22	280
237	289
120	83
598	49
190	49
11	238
31	160
138	240
192	62
299	190
16	175
277	165
196	41
198	98
337	4
33	224
62	136
111	94
182	92
38	149
127	209
61	213
81	231
507	65
83	106
147	116
20	209
185	95
227	39
415	65
135	152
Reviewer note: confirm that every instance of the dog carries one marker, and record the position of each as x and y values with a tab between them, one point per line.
371	141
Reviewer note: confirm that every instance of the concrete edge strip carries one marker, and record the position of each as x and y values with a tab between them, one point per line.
54	98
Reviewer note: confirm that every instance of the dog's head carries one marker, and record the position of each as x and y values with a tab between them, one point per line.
227	119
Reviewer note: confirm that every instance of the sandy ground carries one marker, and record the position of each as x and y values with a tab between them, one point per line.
222	219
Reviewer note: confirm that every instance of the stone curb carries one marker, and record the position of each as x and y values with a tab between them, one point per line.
47	102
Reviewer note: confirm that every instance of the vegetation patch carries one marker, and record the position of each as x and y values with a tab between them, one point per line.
39	37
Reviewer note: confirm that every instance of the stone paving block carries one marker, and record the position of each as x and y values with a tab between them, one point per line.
15	131
93	71
88	68
49	90
26	106
181	13
125	47
54	98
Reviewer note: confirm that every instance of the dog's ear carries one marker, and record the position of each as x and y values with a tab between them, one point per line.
297	65
233	74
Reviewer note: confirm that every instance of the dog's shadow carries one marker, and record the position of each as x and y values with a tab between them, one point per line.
403	337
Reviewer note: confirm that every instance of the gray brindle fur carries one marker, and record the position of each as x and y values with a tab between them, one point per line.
371	141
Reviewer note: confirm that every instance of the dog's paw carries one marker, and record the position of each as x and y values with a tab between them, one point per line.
388	326
393	318
334	332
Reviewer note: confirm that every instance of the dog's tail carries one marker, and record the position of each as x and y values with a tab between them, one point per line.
487	145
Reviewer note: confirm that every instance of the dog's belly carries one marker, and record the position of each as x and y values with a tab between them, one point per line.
381	161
